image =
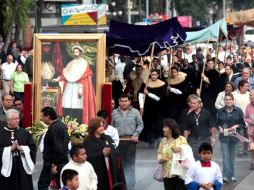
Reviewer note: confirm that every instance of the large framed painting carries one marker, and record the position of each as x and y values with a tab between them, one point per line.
69	74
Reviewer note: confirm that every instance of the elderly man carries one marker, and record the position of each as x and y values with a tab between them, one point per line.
246	77
8	68
199	126
17	154
7	104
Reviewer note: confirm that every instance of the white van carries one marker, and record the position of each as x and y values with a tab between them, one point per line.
248	34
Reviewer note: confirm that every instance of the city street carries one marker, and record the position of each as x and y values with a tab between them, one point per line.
146	159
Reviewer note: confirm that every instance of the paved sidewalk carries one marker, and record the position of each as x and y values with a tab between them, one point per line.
246	183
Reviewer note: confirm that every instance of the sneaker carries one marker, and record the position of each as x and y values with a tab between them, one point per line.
252	166
225	180
233	179
245	153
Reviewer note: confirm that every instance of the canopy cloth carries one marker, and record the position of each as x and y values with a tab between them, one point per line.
136	40
210	33
241	18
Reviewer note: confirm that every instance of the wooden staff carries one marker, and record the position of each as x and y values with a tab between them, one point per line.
147	79
217	50
170	64
151	57
203	69
225	51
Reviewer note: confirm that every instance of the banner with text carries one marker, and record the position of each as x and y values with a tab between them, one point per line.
92	14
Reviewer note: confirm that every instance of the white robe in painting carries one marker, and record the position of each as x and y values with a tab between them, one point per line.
198	174
77	89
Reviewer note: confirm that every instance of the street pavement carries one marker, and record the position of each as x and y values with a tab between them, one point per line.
146	159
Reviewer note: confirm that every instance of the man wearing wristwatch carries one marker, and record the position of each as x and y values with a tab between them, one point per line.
55	152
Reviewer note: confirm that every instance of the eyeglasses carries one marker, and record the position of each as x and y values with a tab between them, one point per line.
17	118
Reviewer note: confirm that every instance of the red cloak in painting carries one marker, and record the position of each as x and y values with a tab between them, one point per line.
78	71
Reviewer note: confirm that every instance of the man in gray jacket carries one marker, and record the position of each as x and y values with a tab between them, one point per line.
127	120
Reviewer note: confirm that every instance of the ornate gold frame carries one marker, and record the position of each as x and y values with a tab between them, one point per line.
100	39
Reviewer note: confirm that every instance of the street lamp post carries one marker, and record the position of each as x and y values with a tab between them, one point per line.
129	7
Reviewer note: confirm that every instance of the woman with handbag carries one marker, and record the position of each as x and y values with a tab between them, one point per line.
229	120
168	145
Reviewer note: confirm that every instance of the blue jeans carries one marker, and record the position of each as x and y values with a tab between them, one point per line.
228	154
46	177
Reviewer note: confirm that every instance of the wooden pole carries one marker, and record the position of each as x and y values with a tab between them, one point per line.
147	79
217	51
151	57
203	69
170	63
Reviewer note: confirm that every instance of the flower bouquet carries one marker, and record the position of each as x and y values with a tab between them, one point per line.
38	129
77	132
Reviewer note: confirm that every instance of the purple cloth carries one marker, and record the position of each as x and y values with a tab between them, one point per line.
135	40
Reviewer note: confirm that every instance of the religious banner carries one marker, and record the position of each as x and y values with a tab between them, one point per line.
92	14
69	74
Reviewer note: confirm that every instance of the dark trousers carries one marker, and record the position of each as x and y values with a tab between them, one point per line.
46	177
174	183
19	95
196	142
128	153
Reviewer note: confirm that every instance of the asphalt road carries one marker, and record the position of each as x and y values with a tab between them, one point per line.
146	159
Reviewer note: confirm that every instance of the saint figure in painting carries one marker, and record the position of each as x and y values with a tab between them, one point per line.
77	97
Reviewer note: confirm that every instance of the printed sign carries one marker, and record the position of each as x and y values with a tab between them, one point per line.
92	14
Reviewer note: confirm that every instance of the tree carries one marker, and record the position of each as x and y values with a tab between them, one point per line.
14	15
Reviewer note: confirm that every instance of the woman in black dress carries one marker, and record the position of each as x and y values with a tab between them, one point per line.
104	156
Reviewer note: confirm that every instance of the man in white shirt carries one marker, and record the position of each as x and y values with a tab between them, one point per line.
8	68
86	174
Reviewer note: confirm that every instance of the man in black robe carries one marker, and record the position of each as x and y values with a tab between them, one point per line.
213	84
152	108
17	153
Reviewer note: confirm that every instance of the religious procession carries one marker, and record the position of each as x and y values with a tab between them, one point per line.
154	106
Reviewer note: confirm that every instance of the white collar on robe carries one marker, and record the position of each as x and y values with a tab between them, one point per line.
75	69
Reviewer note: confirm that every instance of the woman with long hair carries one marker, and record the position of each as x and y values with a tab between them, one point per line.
168	145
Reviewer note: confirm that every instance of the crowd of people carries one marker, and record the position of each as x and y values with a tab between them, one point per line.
176	106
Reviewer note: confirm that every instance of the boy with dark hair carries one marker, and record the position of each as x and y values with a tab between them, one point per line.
70	180
87	175
204	174
108	129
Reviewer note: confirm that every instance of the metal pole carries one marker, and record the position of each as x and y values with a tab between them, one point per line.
129	4
167	8
224	8
35	17
147	8
172	8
